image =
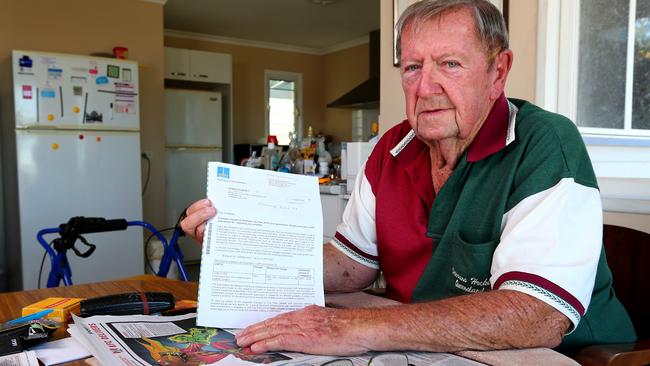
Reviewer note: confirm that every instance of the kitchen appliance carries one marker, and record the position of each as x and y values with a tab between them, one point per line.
193	137
73	150
362	120
353	156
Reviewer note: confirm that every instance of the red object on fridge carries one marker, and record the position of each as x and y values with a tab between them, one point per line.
121	52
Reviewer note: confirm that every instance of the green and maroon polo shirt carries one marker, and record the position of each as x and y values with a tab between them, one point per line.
521	211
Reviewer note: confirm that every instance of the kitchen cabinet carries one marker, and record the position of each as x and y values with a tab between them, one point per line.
192	65
333	206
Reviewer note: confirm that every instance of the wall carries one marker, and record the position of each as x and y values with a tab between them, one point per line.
89	26
523	43
323	78
344	70
391	97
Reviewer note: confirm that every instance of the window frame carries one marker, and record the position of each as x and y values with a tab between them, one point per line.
296	77
621	158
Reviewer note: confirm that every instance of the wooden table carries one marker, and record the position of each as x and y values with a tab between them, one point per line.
11	303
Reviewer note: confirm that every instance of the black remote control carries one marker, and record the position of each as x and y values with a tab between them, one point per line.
127	304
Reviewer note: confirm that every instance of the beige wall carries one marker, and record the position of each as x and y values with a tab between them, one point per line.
91	26
324	79
523	43
343	70
391	97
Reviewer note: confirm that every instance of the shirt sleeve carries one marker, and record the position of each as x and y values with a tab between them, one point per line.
550	246
356	236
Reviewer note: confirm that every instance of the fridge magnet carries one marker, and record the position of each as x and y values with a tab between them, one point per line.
113	71
126	75
101	80
49	61
54	73
94	116
78	80
92	70
77	91
27	92
124	108
25	63
48	93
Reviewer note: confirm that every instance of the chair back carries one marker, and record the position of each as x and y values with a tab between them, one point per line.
628	256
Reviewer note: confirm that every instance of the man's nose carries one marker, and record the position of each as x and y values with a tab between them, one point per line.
429	83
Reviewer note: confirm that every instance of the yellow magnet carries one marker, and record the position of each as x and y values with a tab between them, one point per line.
55	146
76	109
50	117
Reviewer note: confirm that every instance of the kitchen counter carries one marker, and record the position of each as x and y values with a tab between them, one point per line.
332	188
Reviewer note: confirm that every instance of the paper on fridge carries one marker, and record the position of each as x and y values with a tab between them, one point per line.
262	253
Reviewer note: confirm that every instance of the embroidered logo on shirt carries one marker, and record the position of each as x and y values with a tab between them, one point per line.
470	285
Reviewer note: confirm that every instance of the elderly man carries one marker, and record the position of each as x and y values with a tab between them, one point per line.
483	214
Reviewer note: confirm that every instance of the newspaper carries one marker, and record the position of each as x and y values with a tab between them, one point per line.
27	358
177	340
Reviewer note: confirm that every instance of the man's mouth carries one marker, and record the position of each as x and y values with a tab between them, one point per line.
431	111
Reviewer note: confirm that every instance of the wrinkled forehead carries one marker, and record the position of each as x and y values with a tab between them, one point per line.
460	16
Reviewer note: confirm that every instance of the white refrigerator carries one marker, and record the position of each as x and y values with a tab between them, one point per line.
77	153
193	137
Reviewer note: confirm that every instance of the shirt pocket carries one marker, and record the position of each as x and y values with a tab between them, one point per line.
470	265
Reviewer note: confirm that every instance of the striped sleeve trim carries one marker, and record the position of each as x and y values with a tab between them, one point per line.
543	290
345	246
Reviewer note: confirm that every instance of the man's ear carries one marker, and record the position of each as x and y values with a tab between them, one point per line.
502	65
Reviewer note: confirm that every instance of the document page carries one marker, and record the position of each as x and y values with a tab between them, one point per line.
262	253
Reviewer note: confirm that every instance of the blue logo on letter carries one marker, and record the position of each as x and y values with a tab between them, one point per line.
223	172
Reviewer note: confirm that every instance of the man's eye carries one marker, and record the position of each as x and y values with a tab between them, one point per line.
411	68
451	64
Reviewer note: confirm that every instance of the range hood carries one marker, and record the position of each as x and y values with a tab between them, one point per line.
366	94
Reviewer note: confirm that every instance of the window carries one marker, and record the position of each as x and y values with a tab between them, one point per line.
595	63
614	65
283	94
593	66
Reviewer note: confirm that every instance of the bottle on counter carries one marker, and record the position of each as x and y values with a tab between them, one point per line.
374	132
308	153
271	155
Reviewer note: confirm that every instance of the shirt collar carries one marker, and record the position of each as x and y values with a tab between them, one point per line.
497	131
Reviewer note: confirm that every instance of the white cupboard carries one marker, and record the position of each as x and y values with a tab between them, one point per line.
192	65
333	206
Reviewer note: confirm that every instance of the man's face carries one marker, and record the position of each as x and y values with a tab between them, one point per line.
448	85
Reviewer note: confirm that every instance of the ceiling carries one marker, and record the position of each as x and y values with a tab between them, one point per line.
297	23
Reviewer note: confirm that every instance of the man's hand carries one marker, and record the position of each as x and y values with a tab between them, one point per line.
314	329
500	319
195	217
